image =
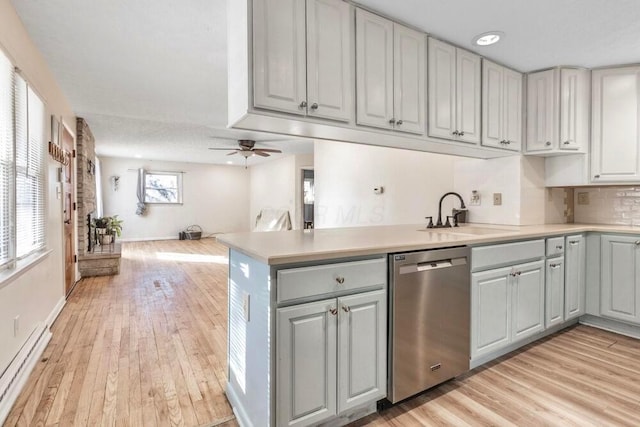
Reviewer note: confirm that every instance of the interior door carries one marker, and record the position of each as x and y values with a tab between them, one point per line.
67	215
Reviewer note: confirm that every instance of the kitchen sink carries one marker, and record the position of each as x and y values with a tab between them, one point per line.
469	230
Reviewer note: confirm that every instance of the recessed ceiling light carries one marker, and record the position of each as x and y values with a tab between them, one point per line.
138	156
488	38
229	162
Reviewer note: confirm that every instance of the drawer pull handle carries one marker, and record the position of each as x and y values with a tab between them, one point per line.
554	265
333	311
559	247
346	308
573	242
340	280
637	242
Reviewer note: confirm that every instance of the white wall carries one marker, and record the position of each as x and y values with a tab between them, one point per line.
346	174
276	184
33	295
215	197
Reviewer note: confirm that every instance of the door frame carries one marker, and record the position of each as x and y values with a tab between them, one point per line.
74	193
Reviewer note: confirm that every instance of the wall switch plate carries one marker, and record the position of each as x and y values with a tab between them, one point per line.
497	199
583	198
378	190
245	306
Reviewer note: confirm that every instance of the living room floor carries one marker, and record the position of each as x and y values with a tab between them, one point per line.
148	347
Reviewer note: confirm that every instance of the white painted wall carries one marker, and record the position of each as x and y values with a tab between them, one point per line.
276	184
216	197
36	293
346	174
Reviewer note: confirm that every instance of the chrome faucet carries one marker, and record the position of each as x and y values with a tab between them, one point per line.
439	223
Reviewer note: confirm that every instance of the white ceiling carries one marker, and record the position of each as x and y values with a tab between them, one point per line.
149	76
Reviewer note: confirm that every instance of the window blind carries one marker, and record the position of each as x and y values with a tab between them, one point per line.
7	75
29	130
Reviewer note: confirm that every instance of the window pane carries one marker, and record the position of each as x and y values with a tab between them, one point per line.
163	187
161	195
6	157
161	181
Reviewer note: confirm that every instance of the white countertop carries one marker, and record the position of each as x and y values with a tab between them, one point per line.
285	247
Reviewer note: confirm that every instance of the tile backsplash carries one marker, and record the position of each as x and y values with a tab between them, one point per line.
607	205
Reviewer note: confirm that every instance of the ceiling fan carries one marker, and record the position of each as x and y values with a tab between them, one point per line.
248	149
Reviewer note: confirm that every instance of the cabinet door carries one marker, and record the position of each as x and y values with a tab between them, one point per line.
362	345
329	53
555	292
574	109
306	370
542	111
442	89
374	70
492	105
620	270
279	55
528	300
490	311
615	145
574	282
512	110
468	87
409	79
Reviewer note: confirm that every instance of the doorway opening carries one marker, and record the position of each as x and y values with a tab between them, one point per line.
308	198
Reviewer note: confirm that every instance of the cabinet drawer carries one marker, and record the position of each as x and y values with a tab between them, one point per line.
304	282
506	254
555	246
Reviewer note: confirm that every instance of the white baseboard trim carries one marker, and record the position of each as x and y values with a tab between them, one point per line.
16	375
55	312
611	325
147	239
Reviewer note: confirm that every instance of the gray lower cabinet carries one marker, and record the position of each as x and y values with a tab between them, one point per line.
507	305
620	278
574	282
331	357
555	290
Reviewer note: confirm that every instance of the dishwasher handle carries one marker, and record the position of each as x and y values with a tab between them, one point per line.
432	265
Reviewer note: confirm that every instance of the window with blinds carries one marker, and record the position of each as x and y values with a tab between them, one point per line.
22	161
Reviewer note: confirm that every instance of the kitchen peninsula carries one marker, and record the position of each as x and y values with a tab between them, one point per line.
308	309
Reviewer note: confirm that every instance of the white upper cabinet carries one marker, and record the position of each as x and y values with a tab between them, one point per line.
390	63
329	53
501	107
557	111
302	57
454	93
280	77
615	145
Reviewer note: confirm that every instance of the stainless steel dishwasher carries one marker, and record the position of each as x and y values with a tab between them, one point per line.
429	319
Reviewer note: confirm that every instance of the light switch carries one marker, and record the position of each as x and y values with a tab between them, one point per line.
497	199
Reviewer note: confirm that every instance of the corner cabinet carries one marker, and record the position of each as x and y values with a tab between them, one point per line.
620	278
390	78
454	93
558	111
615	145
302	57
501	107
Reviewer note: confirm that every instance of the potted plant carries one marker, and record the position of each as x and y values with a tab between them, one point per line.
107	228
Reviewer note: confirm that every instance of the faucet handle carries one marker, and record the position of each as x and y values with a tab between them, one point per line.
457	212
447	223
430	218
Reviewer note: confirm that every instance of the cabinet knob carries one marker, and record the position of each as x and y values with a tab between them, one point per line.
314	106
637	242
554	265
573	242
392	121
508	142
548	143
566	143
455	132
503	142
333	311
559	247
346	308
461	133
340	280
596	176
302	105
399	122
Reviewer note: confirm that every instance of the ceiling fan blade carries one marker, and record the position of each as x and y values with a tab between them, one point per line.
267	150
261	153
226	149
232	153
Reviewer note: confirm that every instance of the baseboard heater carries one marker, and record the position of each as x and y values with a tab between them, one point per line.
17	373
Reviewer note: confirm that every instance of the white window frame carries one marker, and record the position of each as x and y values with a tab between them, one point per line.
179	188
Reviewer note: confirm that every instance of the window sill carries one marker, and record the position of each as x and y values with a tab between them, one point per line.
11	274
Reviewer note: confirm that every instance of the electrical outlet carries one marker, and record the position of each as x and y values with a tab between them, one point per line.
245	306
497	199
583	198
475	198
16	326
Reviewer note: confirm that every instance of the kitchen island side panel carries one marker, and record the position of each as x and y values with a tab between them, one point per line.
249	352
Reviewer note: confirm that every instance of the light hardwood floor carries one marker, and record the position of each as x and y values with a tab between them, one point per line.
148	347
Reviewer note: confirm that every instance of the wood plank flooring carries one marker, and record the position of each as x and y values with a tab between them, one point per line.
148	348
